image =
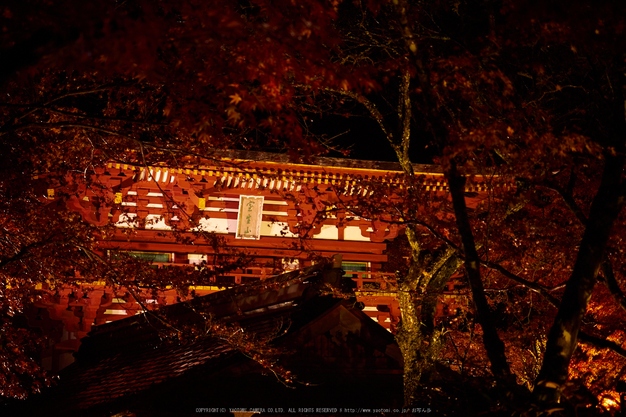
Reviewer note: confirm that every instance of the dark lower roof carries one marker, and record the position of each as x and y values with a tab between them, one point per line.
136	360
258	305
129	373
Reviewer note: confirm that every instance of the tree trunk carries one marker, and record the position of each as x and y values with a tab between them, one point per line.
419	340
493	343
563	336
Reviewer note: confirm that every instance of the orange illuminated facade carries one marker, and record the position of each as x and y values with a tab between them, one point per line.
273	211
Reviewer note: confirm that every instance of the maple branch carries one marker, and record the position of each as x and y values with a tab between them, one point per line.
558	89
538	288
602	343
364	101
98	259
96	129
23	253
36	107
568	198
63	125
611	283
607	268
107	119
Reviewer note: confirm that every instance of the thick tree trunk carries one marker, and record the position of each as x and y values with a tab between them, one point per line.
419	340
493	343
411	342
563	336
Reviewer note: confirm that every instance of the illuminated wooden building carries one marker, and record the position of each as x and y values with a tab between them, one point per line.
268	208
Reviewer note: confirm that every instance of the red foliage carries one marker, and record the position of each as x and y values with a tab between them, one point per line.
520	92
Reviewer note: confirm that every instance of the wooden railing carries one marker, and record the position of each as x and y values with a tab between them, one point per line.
373	281
365	281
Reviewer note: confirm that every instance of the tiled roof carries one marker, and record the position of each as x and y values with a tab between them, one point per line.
129	356
126	360
128	373
257	304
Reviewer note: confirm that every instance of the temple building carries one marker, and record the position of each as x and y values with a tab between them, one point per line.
278	215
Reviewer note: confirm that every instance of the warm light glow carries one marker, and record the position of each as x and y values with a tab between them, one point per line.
609	403
609	400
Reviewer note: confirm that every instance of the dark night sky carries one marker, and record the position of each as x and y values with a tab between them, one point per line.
365	139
